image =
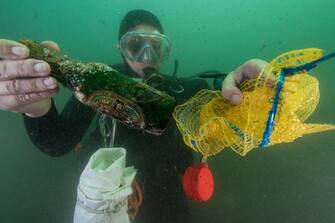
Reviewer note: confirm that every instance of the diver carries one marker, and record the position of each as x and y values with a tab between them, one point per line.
26	88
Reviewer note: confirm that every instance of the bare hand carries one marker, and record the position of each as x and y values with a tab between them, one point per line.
249	70
24	83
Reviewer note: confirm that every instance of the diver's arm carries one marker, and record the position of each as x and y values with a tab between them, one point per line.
56	134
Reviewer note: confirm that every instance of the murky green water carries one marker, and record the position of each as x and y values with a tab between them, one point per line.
285	183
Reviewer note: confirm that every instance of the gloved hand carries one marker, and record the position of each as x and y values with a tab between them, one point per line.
24	83
249	70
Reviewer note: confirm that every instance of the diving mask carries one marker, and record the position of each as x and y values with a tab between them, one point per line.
145	47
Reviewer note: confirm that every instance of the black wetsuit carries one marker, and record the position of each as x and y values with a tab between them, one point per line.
159	160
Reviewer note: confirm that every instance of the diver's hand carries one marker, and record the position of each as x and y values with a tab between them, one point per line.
24	83
249	70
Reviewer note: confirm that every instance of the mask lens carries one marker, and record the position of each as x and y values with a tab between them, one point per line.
154	47
135	44
157	47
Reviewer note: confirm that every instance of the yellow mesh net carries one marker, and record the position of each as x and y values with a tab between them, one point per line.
209	123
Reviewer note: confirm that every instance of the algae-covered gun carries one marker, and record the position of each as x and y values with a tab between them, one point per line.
107	91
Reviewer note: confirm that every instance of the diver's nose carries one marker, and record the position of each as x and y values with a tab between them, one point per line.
147	56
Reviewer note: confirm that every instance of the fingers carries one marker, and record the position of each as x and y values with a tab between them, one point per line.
36	109
249	70
11	69
230	90
17	102
23	86
252	68
12	50
24	83
51	45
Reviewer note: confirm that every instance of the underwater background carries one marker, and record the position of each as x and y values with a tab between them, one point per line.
292	182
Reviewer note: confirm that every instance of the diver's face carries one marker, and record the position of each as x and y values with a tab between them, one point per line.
137	66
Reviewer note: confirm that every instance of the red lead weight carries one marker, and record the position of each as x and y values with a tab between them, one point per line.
198	182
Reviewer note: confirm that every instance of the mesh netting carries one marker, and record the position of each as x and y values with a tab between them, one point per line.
209	123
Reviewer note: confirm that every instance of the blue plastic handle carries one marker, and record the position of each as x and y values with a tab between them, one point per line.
286	72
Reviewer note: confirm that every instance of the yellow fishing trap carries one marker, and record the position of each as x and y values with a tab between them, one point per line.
271	113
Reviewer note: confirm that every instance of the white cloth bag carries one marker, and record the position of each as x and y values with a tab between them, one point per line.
104	187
